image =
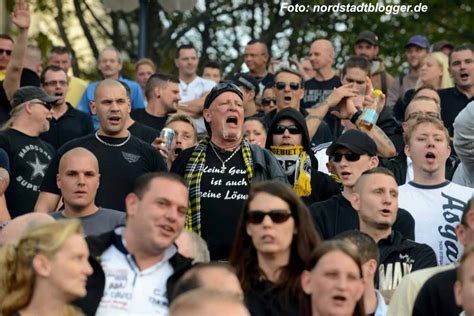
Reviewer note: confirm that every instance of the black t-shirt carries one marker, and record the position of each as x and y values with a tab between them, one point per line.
142	116
72	124
336	215
28	78
316	92
452	102
145	133
118	166
436	297
223	197
29	158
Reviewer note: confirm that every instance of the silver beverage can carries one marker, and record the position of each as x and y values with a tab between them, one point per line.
167	134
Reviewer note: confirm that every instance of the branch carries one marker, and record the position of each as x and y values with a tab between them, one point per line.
97	20
62	32
85	28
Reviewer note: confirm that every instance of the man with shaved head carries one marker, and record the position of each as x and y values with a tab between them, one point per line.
375	198
122	157
15	229
110	65
317	89
78	179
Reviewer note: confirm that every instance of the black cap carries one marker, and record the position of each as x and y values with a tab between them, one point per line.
356	141
438	46
246	80
367	36
220	88
29	93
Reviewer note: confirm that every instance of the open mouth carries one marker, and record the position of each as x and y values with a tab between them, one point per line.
232	120
430	156
345	174
177	151
114	119
287	98
386	212
464	76
58	94
339	298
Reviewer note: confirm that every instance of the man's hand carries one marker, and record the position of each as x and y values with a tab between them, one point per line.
346	110
21	16
339	94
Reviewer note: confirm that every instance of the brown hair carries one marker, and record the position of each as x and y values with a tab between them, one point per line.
421	120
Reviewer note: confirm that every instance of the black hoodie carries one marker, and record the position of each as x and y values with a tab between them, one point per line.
322	186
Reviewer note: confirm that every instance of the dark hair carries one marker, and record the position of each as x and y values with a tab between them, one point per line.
339	245
290	71
356	62
366	245
7	37
269	85
160	79
257	41
244	255
460	48
184	46
52	68
257	119
467	208
190	280
212	64
142	183
59	50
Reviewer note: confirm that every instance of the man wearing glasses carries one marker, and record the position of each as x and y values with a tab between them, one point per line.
402	166
288	140
220	169
288	94
67	123
29	155
351	154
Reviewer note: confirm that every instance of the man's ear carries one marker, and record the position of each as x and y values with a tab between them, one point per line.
407	150
93	107
58	181
374	162
305	281
131	203
355	201
207	115
372	266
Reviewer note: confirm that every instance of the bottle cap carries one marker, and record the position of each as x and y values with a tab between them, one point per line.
376	93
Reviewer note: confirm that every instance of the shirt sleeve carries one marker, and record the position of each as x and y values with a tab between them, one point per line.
464	137
4	160
83	105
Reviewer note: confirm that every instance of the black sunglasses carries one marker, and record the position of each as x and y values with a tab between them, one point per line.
350	156
267	101
280	85
277	216
293	129
7	52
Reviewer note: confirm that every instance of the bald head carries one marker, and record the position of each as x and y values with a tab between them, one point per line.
321	54
325	45
77	154
108	83
17	228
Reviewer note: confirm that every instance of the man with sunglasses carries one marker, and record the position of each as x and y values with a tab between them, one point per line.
220	169
6	47
289	91
268	102
289	141
67	123
29	155
351	154
402	166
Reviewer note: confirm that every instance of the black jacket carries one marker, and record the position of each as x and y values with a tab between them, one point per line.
337	215
400	256
264	300
436	297
322	185
96	282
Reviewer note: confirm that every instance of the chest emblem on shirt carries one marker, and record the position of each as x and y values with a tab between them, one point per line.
131	158
38	168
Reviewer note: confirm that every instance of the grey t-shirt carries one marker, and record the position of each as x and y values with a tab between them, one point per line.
102	221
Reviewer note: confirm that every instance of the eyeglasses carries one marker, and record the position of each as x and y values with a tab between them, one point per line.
46	105
7	52
55	83
277	216
280	85
415	115
293	129
267	101
350	156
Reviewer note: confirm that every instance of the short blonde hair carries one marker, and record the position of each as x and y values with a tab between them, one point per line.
422	120
145	61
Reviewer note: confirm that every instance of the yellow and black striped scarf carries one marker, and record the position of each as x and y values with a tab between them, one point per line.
193	175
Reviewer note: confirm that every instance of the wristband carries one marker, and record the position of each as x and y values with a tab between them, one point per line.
355	116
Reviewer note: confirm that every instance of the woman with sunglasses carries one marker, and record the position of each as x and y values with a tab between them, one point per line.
45	272
268	98
273	243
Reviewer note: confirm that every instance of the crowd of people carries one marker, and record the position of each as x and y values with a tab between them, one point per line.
256	194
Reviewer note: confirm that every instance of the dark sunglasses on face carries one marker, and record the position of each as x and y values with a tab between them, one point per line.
280	85
293	129
350	156
267	101
277	216
7	52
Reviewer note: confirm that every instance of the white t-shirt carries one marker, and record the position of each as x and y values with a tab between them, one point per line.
129	291
437	210
194	90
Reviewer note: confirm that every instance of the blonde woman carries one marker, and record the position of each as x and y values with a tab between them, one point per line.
434	72
45	272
